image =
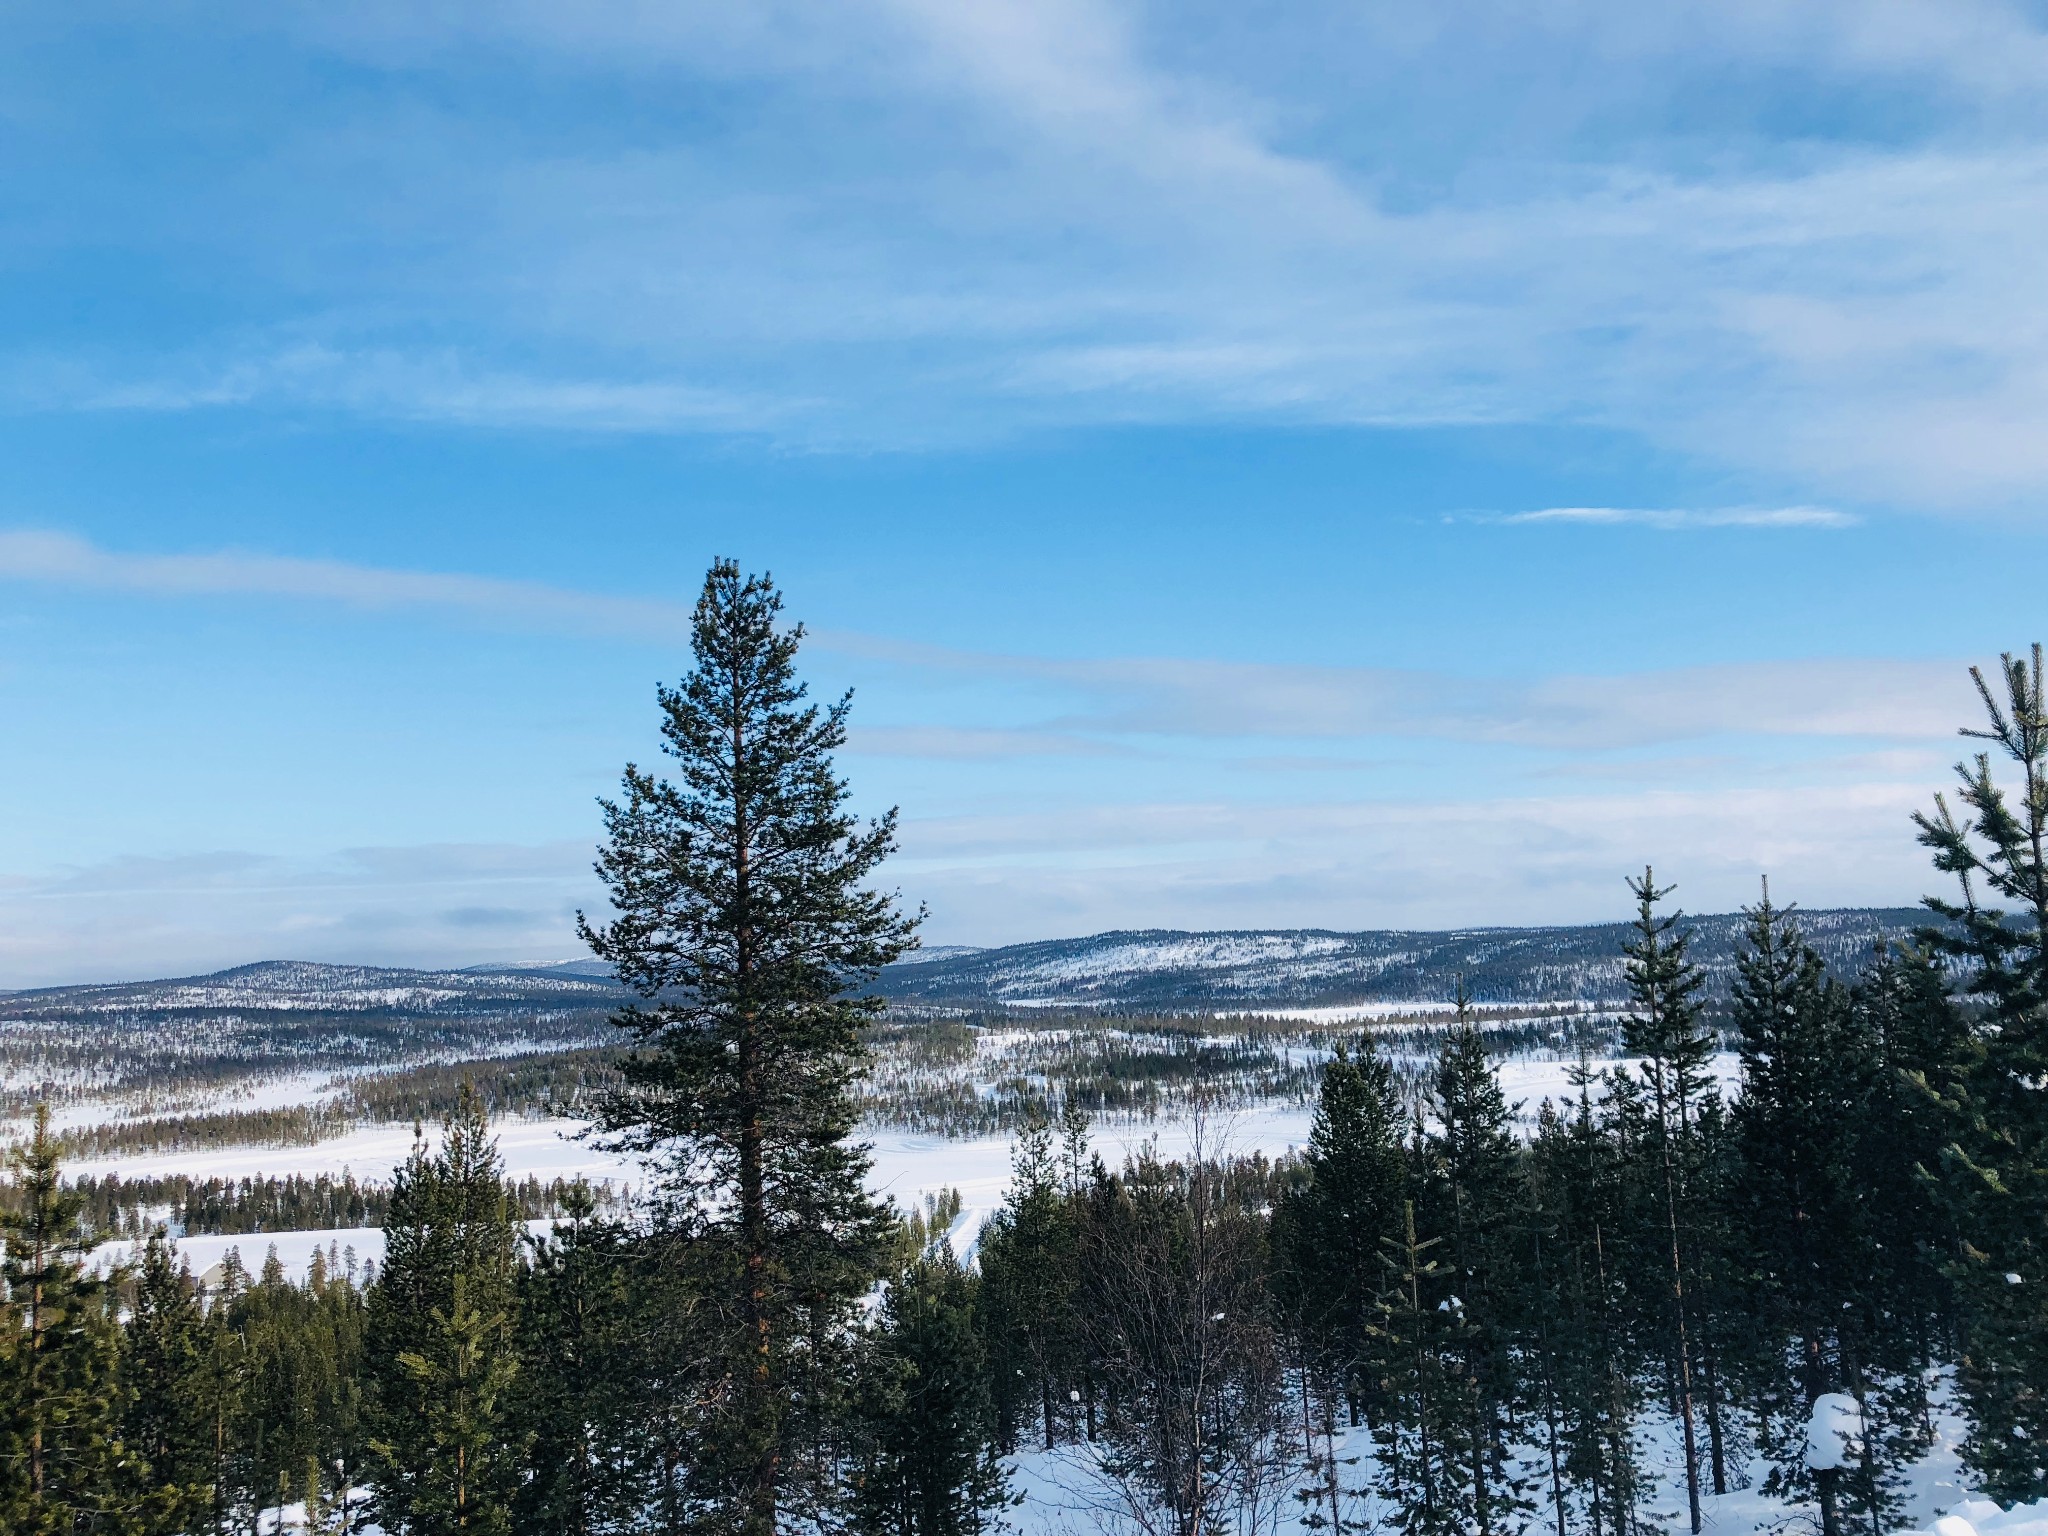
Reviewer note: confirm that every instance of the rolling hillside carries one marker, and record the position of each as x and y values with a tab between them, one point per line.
1303	968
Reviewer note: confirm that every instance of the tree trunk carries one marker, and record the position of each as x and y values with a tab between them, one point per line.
759	1519
1683	1362
1714	1448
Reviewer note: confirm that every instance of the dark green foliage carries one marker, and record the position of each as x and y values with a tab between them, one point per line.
1807	1084
1589	1392
585	1302
1472	1200
1329	1225
63	1466
295	1203
927	1463
440	1332
1328	1229
1996	1095
743	919
1030	1260
164	1421
1424	1441
1663	1026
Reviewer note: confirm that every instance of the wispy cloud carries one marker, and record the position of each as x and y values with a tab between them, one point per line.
1678	518
963	743
428	905
1090	706
65	560
1381	862
898	222
439	386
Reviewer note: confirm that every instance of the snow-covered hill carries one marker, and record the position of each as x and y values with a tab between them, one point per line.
298	986
1294	968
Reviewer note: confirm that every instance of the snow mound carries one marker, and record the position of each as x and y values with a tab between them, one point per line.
1981	1517
1834	1435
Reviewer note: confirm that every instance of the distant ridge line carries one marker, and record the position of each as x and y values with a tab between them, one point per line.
1165	968
1243	968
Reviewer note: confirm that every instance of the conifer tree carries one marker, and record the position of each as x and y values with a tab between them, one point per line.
1795	1126
929	1465
1327	1240
1424	1444
439	1338
744	920
1997	1158
1473	1195
1663	1026
161	1365
1332	1229
222	1375
1577	1206
63	1466
1029	1259
580	1407
1918	1041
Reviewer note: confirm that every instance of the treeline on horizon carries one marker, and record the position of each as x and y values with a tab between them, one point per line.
1427	1321
182	1205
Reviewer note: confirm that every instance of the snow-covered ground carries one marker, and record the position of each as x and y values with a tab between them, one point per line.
906	1166
1065	1493
545	1148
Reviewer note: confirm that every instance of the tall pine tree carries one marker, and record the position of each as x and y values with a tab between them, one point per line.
744	919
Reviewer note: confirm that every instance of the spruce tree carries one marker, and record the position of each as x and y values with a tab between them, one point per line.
1327	1240
63	1466
1029	1258
1424	1444
1472	1193
1663	1026
1798	1198
579	1404
1918	1040
928	1425
1997	1157
1577	1207
162	1357
744	920
439	1338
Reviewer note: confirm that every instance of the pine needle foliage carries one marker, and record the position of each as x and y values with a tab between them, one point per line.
1996	847
744	919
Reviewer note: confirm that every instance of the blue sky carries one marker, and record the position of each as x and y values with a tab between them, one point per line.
1324	465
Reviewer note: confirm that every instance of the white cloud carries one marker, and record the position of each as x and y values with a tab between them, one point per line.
1023	874
902	222
137	917
1416	863
1676	518
1113	697
64	560
439	386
